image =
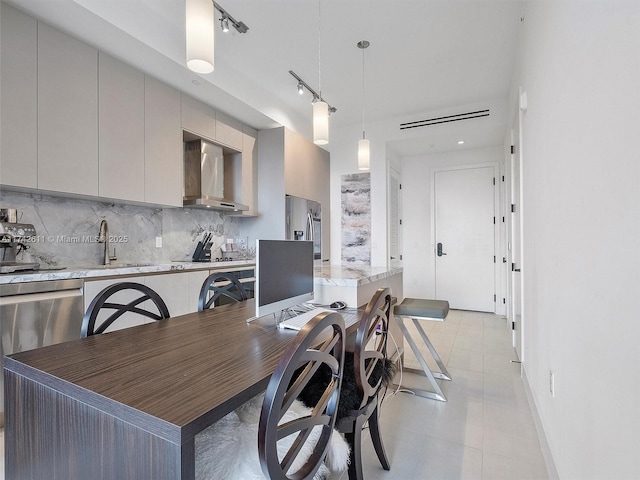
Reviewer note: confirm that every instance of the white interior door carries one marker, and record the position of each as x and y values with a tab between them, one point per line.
395	223
464	202
516	238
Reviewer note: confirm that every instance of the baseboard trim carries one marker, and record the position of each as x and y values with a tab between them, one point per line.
544	444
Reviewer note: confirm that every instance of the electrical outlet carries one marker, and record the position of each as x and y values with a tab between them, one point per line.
158	242
552	386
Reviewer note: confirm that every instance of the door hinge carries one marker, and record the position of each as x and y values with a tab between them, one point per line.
494	180
399	186
494	220
400	256
503	178
400	221
502	219
513	149
494	259
513	325
513	208
504	301
494	297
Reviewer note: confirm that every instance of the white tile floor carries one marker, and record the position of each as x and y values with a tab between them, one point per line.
485	430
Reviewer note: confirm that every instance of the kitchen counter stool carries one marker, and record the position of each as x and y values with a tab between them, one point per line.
421	309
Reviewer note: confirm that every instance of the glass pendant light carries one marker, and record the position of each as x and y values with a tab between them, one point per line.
320	122
363	145
199	31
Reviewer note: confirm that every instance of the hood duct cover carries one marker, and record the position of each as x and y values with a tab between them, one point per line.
445	119
204	177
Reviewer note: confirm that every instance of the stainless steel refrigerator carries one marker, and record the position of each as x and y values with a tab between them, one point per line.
303	222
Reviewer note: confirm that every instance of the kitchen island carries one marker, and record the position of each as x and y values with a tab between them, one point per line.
354	284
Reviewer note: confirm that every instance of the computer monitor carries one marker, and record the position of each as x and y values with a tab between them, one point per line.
284	275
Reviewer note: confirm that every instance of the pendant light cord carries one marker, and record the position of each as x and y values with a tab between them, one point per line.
319	50
363	94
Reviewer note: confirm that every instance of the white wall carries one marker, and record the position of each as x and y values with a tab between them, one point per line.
383	136
581	267
418	248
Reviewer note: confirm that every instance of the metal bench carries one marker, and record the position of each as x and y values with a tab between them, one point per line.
420	309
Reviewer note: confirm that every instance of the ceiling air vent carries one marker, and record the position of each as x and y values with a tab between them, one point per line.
447	119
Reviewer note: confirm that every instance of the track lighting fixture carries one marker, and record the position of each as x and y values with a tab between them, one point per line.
239	26
199	20
316	96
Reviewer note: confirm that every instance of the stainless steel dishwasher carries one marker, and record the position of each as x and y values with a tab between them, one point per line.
35	314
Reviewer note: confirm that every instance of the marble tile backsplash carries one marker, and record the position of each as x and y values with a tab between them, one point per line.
67	230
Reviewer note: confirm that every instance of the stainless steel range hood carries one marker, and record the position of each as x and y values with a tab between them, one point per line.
204	177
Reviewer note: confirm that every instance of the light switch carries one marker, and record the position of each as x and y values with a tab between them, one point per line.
158	242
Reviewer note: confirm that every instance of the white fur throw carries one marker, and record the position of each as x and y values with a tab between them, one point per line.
228	450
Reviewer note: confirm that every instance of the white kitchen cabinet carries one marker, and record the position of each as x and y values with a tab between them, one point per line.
121	128
306	169
228	131
179	290
164	172
18	94
198	118
67	113
93	288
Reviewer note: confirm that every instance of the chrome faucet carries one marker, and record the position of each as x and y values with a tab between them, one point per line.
103	237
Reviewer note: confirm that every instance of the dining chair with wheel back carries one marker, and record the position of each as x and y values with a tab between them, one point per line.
367	370
105	300
219	285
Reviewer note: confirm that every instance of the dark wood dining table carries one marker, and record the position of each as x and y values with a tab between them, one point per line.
128	404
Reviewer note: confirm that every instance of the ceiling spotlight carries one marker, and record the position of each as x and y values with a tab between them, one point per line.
240	26
224	24
300	87
460	142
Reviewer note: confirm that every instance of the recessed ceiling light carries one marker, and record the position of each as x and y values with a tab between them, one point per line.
460	142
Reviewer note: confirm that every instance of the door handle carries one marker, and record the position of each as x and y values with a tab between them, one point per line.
439	250
310	232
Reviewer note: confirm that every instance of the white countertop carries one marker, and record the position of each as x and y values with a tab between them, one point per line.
352	275
339	275
97	271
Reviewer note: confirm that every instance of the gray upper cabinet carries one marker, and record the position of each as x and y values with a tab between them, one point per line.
250	170
228	131
121	130
198	118
80	122
163	144
67	114
19	93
